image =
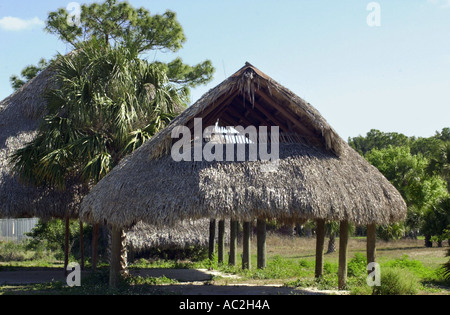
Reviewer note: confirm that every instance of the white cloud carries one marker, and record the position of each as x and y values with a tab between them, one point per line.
10	23
440	3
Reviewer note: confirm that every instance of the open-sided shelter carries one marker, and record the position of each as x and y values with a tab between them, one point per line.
317	175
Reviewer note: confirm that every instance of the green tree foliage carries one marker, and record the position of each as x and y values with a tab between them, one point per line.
391	231
109	100
440	162
119	23
376	139
28	73
437	220
420	169
444	135
52	234
408	173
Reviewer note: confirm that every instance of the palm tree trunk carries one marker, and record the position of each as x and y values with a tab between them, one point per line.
428	242
123	253
332	243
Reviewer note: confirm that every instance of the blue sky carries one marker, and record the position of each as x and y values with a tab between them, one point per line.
392	77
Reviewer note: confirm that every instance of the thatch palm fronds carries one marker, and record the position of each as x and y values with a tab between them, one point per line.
318	176
143	236
108	103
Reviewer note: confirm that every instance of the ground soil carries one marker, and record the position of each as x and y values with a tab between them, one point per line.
190	282
203	282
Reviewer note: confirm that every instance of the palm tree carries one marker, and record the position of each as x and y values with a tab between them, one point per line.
332	229
446	267
107	103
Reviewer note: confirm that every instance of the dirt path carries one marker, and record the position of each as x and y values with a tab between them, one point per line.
191	282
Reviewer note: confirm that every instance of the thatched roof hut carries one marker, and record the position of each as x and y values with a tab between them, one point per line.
20	116
318	175
315	176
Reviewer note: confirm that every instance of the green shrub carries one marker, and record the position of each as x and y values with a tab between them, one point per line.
10	251
329	268
396	281
357	265
51	235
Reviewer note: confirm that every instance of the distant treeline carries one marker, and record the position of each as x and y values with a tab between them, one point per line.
420	169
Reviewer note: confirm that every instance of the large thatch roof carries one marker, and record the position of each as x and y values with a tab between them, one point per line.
20	116
318	175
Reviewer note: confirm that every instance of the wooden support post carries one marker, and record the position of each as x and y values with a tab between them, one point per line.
233	242
95	229
246	245
66	245
212	238
81	246
371	243
320	240
343	242
221	239
115	265
261	243
123	253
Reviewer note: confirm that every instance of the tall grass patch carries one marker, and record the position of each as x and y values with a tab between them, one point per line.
397	281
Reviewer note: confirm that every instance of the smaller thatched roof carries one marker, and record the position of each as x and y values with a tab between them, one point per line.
20	117
319	176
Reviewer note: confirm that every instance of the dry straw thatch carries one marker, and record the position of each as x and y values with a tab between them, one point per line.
20	116
319	177
143	236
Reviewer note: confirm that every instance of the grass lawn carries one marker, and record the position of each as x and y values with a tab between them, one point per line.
290	262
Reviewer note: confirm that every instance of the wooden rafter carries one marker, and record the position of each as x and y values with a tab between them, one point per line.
262	121
242	118
274	120
288	115
223	101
